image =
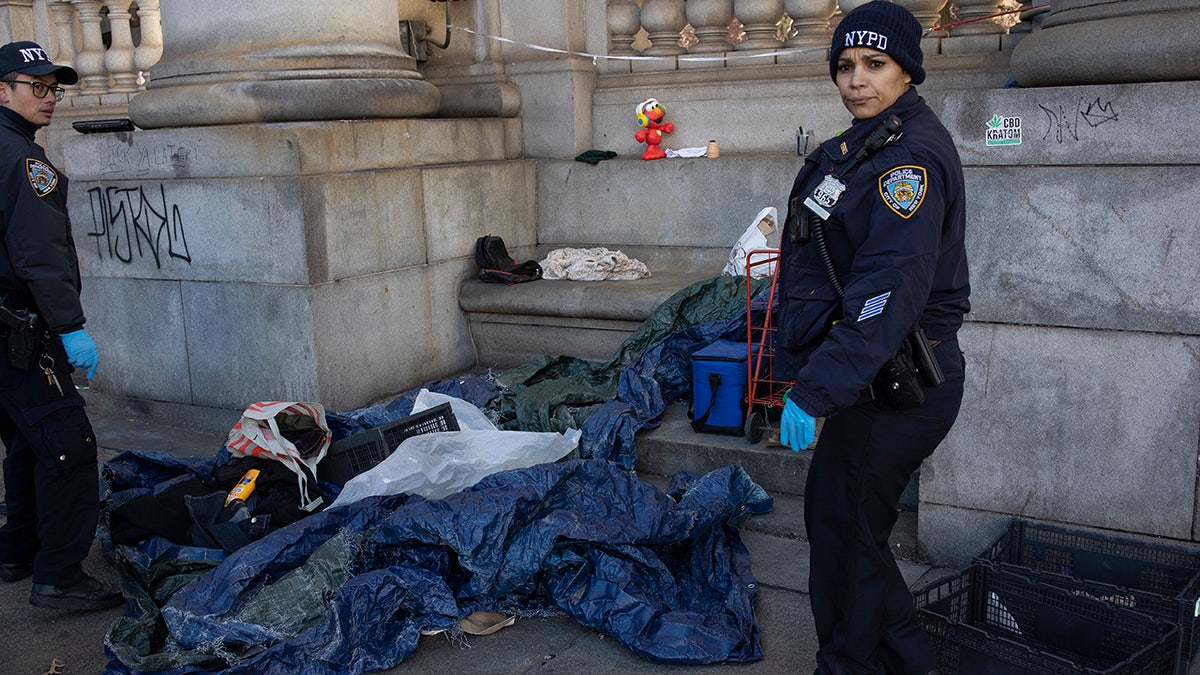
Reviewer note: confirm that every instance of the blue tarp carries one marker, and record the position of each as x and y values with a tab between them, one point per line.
350	589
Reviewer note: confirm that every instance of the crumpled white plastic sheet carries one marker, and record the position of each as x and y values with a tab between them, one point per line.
687	153
592	264
439	464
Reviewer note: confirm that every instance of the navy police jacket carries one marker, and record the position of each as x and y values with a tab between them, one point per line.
895	237
39	268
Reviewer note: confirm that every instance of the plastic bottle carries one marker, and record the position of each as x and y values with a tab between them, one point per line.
244	487
713	150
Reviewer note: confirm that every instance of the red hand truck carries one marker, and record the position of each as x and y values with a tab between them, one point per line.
762	388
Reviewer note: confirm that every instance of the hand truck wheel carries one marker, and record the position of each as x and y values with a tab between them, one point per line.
754	427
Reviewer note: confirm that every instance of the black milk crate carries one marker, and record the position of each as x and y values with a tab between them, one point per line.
1160	580
989	620
355	454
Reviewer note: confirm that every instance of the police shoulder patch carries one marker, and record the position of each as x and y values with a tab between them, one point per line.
42	176
903	189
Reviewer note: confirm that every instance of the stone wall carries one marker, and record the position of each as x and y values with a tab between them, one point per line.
1083	396
309	261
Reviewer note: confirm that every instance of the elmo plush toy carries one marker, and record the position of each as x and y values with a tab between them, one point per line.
650	114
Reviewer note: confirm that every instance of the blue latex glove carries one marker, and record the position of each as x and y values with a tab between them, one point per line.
81	351
796	428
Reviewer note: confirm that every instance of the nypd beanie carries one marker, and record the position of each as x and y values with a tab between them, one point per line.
885	26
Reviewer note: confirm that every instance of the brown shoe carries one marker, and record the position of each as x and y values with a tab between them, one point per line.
88	594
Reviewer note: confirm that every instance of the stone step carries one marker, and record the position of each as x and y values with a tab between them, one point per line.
510	325
673	447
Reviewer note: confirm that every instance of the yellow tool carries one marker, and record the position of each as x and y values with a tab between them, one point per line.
244	487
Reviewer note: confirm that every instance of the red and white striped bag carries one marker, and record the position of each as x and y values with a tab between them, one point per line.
257	435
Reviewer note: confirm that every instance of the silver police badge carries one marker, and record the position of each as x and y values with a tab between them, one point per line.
825	196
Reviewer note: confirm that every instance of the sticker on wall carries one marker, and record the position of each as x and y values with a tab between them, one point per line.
1004	130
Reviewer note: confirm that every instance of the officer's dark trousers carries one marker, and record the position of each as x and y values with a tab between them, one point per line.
864	613
51	486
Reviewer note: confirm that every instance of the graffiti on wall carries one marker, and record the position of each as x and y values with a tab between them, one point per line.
1065	122
137	223
123	158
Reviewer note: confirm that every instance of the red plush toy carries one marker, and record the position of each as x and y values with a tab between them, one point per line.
650	114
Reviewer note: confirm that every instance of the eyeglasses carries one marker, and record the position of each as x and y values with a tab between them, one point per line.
40	89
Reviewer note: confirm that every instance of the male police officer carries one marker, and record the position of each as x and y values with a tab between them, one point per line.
50	480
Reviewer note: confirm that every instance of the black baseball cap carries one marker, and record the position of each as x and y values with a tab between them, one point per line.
29	58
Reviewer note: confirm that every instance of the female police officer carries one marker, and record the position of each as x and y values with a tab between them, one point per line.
873	251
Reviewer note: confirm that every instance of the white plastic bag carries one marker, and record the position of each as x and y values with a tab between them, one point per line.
755	237
469	417
442	463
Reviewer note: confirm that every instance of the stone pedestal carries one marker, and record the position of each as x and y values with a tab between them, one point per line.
230	62
314	261
1103	42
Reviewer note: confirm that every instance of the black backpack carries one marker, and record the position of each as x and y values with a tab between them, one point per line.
497	267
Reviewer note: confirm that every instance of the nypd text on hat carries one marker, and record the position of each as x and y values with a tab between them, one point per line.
866	38
33	54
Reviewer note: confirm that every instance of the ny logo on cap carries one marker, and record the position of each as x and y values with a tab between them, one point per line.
866	38
34	54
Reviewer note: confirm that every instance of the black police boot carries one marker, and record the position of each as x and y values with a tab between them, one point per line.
10	572
85	595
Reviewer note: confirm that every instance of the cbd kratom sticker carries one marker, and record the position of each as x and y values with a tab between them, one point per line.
1004	130
42	177
903	189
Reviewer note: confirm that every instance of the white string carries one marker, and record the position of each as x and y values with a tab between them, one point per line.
611	57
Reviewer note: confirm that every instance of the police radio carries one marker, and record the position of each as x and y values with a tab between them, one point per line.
829	191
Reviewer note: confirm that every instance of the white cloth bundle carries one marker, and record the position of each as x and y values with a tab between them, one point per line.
592	264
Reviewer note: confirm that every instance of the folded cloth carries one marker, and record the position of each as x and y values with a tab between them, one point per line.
594	157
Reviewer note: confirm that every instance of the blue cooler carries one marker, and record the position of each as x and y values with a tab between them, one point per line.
719	376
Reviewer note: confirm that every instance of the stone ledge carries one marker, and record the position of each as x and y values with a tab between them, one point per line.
619	300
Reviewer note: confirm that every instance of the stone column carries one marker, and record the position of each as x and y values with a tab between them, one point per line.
977	9
1103	42
663	19
982	34
759	19
89	61
711	19
62	16
623	18
232	62
119	57
468	70
150	46
16	21
810	18
927	12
